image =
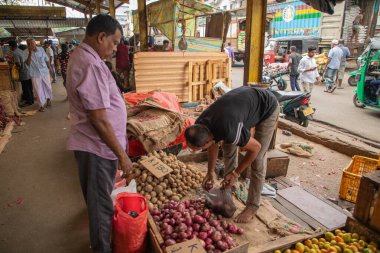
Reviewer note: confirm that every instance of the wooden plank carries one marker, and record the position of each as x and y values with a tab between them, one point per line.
242	248
190	81
201	79
314	224
282	209
375	219
313	206
364	200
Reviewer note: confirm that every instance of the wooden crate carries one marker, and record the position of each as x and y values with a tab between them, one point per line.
169	71
278	163
5	77
367	208
156	240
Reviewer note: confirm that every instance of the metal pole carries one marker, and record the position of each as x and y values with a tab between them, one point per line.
112	8
143	27
254	40
97	7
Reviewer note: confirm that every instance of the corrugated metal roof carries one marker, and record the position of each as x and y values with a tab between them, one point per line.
30	32
88	6
69	22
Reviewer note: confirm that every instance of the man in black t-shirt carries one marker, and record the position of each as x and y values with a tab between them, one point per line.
230	119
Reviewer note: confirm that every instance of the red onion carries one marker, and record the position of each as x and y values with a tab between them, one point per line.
196	227
202	235
216	236
168	230
181	207
198	219
240	231
183	235
155	211
156	218
187	203
174	236
219	228
182	227
210	247
232	228
214	223
170	242
188	221
221	245
172	222
205	227
177	215
206	214
208	241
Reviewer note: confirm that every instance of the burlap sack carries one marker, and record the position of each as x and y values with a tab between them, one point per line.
9	101
155	128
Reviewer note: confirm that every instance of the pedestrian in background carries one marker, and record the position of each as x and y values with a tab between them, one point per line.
50	54
230	52
63	59
308	70
40	71
342	68
122	60
332	66
15	60
98	125
294	61
55	53
26	81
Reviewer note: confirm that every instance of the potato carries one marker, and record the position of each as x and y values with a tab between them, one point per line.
148	188
164	185
150	206
148	197
153	194
158	189
142	192
162	198
168	193
176	171
143	177
149	179
174	189
175	198
159	202
154	200
139	188
137	172
166	181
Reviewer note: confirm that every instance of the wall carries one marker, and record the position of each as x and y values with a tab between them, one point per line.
294	18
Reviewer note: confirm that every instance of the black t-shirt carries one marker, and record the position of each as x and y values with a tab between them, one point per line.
231	117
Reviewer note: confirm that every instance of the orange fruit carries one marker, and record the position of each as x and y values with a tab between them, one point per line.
277	251
300	247
339	239
322	239
308	243
295	251
332	249
287	251
314	240
338	231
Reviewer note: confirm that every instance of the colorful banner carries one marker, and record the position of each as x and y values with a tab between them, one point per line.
200	44
294	19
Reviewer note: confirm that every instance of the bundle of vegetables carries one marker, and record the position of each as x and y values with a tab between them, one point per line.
190	219
173	186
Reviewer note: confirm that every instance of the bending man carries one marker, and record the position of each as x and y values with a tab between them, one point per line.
230	120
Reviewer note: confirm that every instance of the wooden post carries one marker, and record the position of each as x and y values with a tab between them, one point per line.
254	40
85	18
143	25
97	7
112	7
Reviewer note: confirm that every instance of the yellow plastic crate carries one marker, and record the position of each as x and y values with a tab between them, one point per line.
349	186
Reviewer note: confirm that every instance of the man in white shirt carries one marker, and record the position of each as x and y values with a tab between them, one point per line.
332	66
308	70
50	54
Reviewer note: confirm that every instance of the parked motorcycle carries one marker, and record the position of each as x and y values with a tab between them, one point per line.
276	79
295	105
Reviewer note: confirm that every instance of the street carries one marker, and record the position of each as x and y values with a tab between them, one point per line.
335	109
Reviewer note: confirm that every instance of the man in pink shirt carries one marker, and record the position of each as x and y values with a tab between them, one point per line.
98	125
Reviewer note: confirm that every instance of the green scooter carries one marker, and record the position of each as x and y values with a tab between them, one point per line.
367	93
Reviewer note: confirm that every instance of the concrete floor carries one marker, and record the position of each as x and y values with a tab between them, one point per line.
336	109
36	170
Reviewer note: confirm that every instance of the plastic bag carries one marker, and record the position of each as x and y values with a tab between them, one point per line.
130	223
131	188
220	201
